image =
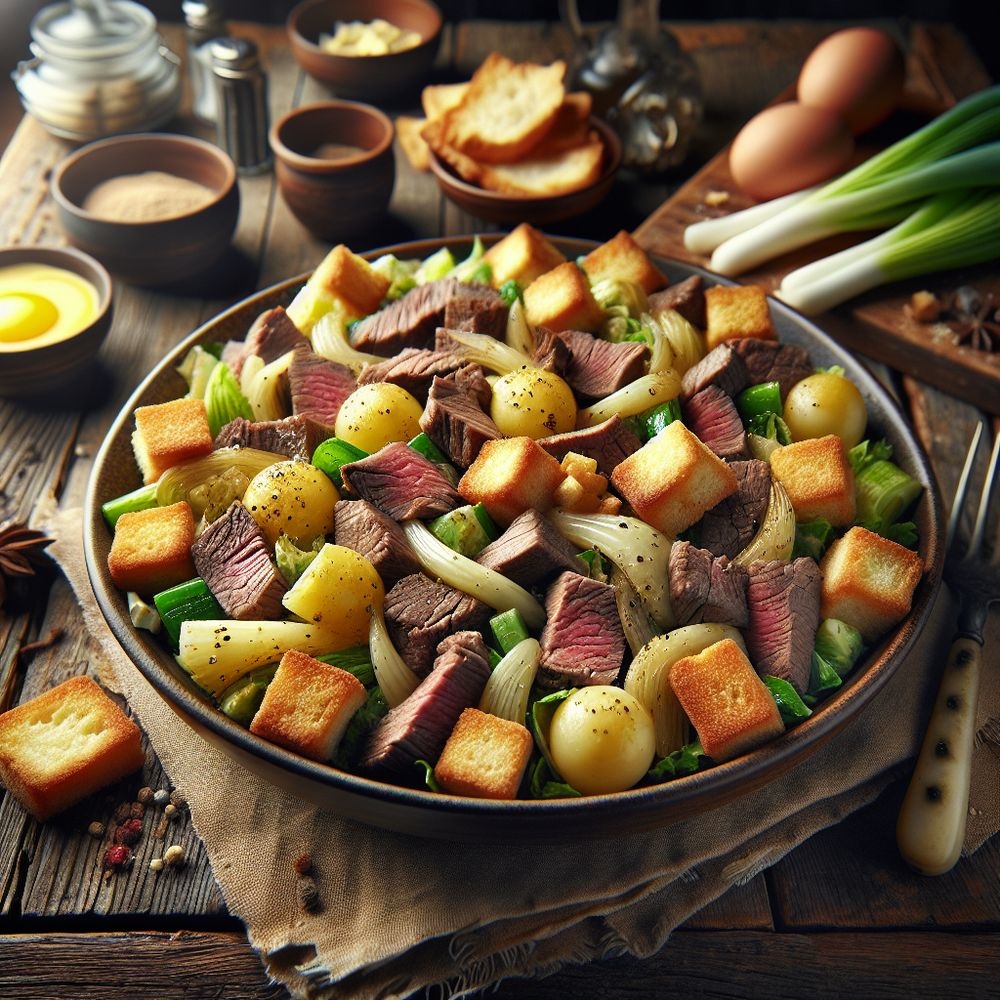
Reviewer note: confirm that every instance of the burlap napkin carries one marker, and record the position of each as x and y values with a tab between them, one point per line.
401	913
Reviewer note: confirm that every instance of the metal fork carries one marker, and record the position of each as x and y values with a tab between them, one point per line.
931	825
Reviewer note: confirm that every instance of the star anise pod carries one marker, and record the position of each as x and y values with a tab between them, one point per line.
20	551
976	323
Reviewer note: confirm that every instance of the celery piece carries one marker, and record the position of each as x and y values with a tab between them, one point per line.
485	521
883	491
812	538
356	660
508	629
790	704
473	269
333	453
224	400
401	274
241	701
755	400
657	417
440	263
185	602
462	530
144	498
839	644
509	291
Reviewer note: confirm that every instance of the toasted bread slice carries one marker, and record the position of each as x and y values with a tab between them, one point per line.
413	144
547	175
508	108
438	98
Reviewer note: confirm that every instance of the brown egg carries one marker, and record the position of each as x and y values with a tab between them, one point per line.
857	72
788	147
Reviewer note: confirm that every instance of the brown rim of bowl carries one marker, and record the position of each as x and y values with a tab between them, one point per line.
613	153
70	203
295	15
313	164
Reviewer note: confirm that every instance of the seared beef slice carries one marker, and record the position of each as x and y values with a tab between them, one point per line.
454	417
420	612
418	728
582	642
381	540
598	367
409	321
726	529
402	483
713	416
784	600
476	309
607	443
318	387
233	558
296	437
773	361
706	588
531	552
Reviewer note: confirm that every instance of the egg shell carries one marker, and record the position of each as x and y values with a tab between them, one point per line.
787	147
857	72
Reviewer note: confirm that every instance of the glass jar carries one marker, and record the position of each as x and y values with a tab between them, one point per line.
99	68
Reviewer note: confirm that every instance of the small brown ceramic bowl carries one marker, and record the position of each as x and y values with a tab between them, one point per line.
511	209
335	166
365	78
45	342
176	241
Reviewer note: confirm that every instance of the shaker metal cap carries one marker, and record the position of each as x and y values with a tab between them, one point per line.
233	54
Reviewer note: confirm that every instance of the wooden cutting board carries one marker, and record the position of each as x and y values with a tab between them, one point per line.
941	69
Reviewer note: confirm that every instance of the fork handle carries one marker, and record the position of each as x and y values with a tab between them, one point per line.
931	825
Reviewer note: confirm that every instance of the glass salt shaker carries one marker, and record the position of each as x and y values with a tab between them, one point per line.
241	103
205	21
642	83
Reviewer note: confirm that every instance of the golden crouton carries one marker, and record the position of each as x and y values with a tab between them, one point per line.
168	433
623	259
522	255
485	756
307	705
510	476
673	479
729	706
151	549
65	744
868	581
561	299
350	278
818	479
736	311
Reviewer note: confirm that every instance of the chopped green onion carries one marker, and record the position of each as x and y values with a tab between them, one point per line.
333	453
144	498
759	400
241	701
462	529
508	629
426	447
657	417
510	291
883	490
188	601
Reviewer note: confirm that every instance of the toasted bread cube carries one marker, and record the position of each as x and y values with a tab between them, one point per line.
350	278
307	705
64	745
673	479
151	549
818	479
523	255
623	259
729	706
510	476
168	433
736	311
868	581
561	299
485	756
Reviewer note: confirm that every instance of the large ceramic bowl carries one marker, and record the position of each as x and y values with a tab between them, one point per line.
451	817
539	210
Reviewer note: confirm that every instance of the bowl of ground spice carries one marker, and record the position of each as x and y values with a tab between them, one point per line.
154	209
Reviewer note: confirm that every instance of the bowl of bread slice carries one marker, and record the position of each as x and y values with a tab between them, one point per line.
507	153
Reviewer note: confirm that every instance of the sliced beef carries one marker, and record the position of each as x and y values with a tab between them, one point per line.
296	437
419	727
726	529
773	361
598	367
551	352
706	588
454	417
722	367
477	309
686	297
784	600
409	321
271	335
608	443
713	416
363	527
583	641
531	552
233	557
318	387
402	483
413	369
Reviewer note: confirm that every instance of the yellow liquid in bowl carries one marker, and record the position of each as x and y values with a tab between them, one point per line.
41	305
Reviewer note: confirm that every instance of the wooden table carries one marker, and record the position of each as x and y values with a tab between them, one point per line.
840	915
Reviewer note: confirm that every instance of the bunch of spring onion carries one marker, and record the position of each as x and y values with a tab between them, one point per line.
934	197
